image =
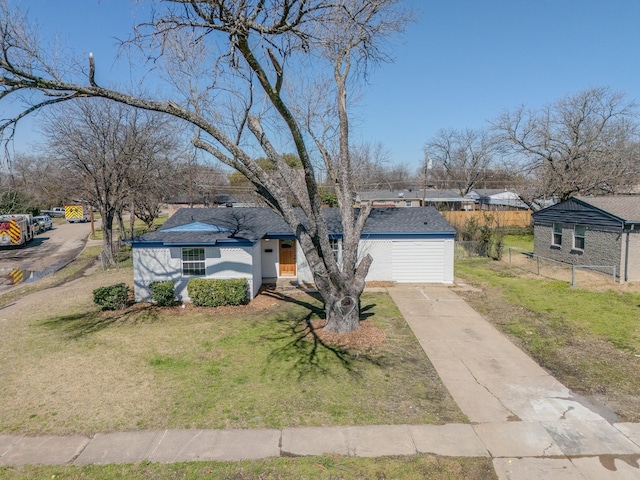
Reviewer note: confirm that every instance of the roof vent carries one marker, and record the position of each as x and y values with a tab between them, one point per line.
401	194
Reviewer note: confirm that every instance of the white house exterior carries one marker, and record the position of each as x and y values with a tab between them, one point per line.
407	246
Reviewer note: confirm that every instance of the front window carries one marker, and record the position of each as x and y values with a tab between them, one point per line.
408	203
578	237
335	248
557	234
193	261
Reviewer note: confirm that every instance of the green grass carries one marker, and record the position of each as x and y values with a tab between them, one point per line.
522	241
139	228
416	467
610	315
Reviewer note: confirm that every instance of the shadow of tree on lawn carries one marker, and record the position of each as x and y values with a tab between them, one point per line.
304	347
80	325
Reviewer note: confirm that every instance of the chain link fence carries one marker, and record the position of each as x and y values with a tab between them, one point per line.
528	263
554	269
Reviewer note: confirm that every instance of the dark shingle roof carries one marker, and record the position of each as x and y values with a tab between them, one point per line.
625	207
204	225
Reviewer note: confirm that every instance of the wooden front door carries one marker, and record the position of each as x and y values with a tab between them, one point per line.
287	258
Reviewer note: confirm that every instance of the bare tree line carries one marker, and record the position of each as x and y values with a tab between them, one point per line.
583	144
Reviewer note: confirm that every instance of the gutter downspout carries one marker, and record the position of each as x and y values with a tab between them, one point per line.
626	258
630	228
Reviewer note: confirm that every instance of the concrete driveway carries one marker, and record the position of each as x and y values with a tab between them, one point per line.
531	424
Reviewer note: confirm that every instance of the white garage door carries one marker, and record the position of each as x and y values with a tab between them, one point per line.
418	261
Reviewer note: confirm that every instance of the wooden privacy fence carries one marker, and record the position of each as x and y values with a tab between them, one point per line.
495	218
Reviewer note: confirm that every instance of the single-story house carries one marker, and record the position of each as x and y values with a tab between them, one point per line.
496	199
174	204
598	231
416	197
408	245
391	198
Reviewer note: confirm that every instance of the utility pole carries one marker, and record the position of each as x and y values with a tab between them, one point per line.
424	177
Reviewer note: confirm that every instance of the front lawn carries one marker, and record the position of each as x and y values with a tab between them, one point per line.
70	368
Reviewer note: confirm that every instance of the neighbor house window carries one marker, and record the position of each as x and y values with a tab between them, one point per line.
578	237
193	261
408	203
557	234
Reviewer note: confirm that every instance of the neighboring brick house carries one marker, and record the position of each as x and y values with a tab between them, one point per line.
600	231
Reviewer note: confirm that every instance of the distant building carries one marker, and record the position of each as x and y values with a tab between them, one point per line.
496	199
204	201
440	199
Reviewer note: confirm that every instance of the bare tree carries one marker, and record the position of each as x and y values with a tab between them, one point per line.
459	158
580	145
152	151
240	93
369	166
106	149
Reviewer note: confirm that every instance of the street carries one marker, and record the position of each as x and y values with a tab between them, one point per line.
46	253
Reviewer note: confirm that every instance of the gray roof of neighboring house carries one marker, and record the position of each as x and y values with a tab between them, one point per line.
184	199
211	225
429	194
488	192
402	194
626	207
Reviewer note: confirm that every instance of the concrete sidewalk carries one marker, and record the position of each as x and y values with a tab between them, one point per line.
530	424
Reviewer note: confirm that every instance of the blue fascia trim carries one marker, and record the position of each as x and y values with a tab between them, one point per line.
139	244
279	236
409	235
218	243
239	243
284	236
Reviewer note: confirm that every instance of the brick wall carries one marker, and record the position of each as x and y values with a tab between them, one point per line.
600	248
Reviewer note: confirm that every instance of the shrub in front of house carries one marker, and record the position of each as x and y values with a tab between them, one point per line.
112	297
163	293
211	292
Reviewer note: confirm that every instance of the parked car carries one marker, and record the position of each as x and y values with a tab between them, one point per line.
38	226
57	212
44	221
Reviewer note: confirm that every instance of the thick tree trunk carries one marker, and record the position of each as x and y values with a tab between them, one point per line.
342	313
342	304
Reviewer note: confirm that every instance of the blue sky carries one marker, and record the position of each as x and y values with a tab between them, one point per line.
460	64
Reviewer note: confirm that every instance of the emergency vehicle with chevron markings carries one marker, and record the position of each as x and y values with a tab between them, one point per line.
16	230
77	213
